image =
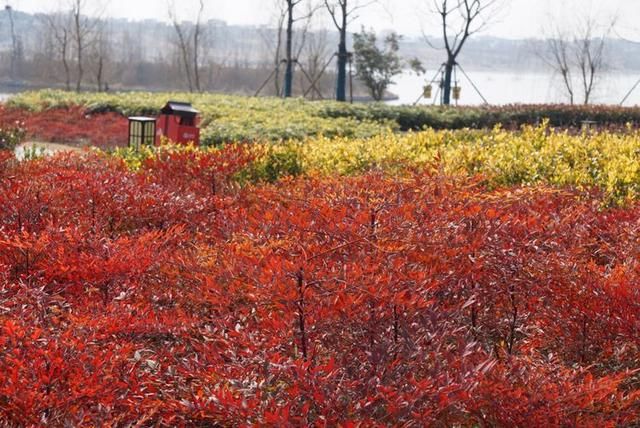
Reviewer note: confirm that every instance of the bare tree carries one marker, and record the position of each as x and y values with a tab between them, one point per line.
183	46
272	37
44	59
196	46
343	13
460	19
288	74
286	42
277	59
101	54
189	44
590	55
83	34
560	58
16	44
578	55
303	34
316	54
60	27
292	18
80	33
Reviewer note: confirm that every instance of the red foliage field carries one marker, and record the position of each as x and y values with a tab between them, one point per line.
69	126
172	297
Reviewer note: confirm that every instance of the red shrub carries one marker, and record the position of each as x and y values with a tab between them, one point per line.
159	298
70	126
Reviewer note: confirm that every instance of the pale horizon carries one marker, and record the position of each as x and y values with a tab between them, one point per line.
520	19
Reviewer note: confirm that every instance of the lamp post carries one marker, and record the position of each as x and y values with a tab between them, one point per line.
142	131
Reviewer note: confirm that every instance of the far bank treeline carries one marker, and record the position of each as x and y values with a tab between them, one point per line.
228	118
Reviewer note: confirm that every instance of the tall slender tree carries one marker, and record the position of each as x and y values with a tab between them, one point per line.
590	51
277	58
288	74
460	19
60	26
316	53
16	44
290	56
559	58
343	13
578	55
83	32
101	54
189	44
197	39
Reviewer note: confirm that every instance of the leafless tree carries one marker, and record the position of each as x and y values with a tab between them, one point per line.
343	13
284	42
316	54
84	32
288	74
578	54
189	44
290	7
184	47
460	19
45	57
197	33
101	55
316	51
16	44
273	39
277	58
560	58
590	51
60	26
81	31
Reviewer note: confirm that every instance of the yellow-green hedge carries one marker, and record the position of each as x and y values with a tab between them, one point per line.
609	161
606	160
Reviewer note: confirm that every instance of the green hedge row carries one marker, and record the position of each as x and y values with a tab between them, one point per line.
509	116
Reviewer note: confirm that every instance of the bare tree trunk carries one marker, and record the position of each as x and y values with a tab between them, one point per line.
14	43
341	89
61	28
590	56
183	45
276	57
196	48
288	74
317	54
559	47
302	39
467	17
341	14
566	78
184	50
588	78
448	77
79	36
580	52
65	62
99	72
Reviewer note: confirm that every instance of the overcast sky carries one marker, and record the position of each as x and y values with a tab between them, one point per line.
520	19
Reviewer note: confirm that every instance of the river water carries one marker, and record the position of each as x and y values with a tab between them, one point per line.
501	88
525	88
